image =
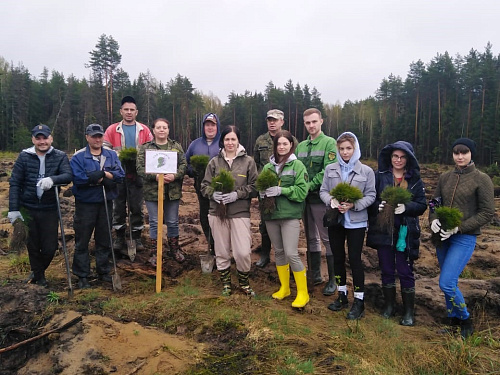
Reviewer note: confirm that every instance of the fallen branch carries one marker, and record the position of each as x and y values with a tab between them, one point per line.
32	339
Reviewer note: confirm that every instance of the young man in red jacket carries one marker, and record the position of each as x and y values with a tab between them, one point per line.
124	134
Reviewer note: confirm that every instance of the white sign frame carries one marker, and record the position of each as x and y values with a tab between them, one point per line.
160	161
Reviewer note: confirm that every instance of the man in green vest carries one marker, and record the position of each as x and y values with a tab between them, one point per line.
316	152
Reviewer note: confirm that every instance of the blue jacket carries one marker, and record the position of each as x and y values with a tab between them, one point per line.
25	176
413	209
83	163
200	147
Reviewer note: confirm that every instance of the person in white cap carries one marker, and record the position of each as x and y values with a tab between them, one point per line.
35	172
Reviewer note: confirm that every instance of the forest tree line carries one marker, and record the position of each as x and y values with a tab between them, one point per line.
438	101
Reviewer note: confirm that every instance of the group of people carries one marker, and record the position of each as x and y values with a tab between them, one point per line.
306	173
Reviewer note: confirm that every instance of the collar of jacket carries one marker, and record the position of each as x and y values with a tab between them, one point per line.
317	139
468	169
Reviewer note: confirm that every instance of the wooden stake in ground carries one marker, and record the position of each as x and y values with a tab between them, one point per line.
159	237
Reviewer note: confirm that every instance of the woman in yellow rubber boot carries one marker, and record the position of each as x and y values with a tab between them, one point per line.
283	223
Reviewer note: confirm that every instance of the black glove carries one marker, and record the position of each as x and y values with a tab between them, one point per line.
95	176
108	184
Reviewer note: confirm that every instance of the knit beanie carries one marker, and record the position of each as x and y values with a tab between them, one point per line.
469	143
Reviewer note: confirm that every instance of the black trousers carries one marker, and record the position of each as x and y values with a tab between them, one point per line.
355	239
204	204
91	218
42	239
136	200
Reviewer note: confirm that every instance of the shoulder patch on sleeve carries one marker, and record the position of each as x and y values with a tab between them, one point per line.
332	155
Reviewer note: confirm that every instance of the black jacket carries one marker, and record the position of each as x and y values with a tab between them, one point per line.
24	178
415	208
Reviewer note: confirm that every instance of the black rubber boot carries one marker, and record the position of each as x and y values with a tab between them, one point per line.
316	268
83	283
357	309
330	286
119	242
408	296
389	291
225	278
340	303
466	328
265	251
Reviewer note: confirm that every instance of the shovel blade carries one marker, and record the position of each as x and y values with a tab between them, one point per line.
131	249
117	282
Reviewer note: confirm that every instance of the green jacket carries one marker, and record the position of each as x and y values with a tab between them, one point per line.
316	155
173	190
244	172
471	191
263	149
293	181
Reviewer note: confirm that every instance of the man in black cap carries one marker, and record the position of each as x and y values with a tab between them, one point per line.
35	172
94	167
125	134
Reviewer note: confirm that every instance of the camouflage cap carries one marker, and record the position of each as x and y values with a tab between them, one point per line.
276	114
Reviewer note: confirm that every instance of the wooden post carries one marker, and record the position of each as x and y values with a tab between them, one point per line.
159	238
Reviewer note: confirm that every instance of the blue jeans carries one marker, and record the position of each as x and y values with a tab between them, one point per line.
170	217
453	256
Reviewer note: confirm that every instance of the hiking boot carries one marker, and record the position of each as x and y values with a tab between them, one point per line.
83	283
41	281
175	249
357	309
340	303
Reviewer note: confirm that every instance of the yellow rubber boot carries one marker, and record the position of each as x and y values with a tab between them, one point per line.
302	294
284	276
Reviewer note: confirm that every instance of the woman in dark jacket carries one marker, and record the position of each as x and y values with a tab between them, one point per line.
398	166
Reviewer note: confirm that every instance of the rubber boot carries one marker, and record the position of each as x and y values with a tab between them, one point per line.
330	287
408	296
316	268
284	276
225	278
302	294
340	303
175	249
357	310
389	291
466	328
245	284
119	242
153	252
265	251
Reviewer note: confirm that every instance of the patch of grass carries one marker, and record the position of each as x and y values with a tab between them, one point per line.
20	263
53	297
186	289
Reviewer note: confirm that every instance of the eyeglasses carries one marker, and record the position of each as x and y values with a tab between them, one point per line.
397	157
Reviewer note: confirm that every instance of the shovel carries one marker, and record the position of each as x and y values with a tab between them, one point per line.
115	278
131	248
63	240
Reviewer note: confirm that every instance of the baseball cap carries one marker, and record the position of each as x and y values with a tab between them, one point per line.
41	129
94	129
128	99
211	117
275	113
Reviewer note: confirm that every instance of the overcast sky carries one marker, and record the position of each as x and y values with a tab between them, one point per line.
343	48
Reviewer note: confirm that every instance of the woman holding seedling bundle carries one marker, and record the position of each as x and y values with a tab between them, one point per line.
172	190
283	222
358	184
401	195
230	184
469	191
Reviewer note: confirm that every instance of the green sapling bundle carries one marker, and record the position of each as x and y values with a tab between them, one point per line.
199	163
223	182
449	218
344	192
128	157
392	195
264	181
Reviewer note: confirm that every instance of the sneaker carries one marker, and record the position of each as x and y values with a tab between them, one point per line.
83	283
357	310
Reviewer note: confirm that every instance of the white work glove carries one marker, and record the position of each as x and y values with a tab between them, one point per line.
334	203
14	215
217	197
230	197
445	234
436	225
262	194
381	206
273	191
45	183
400	209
